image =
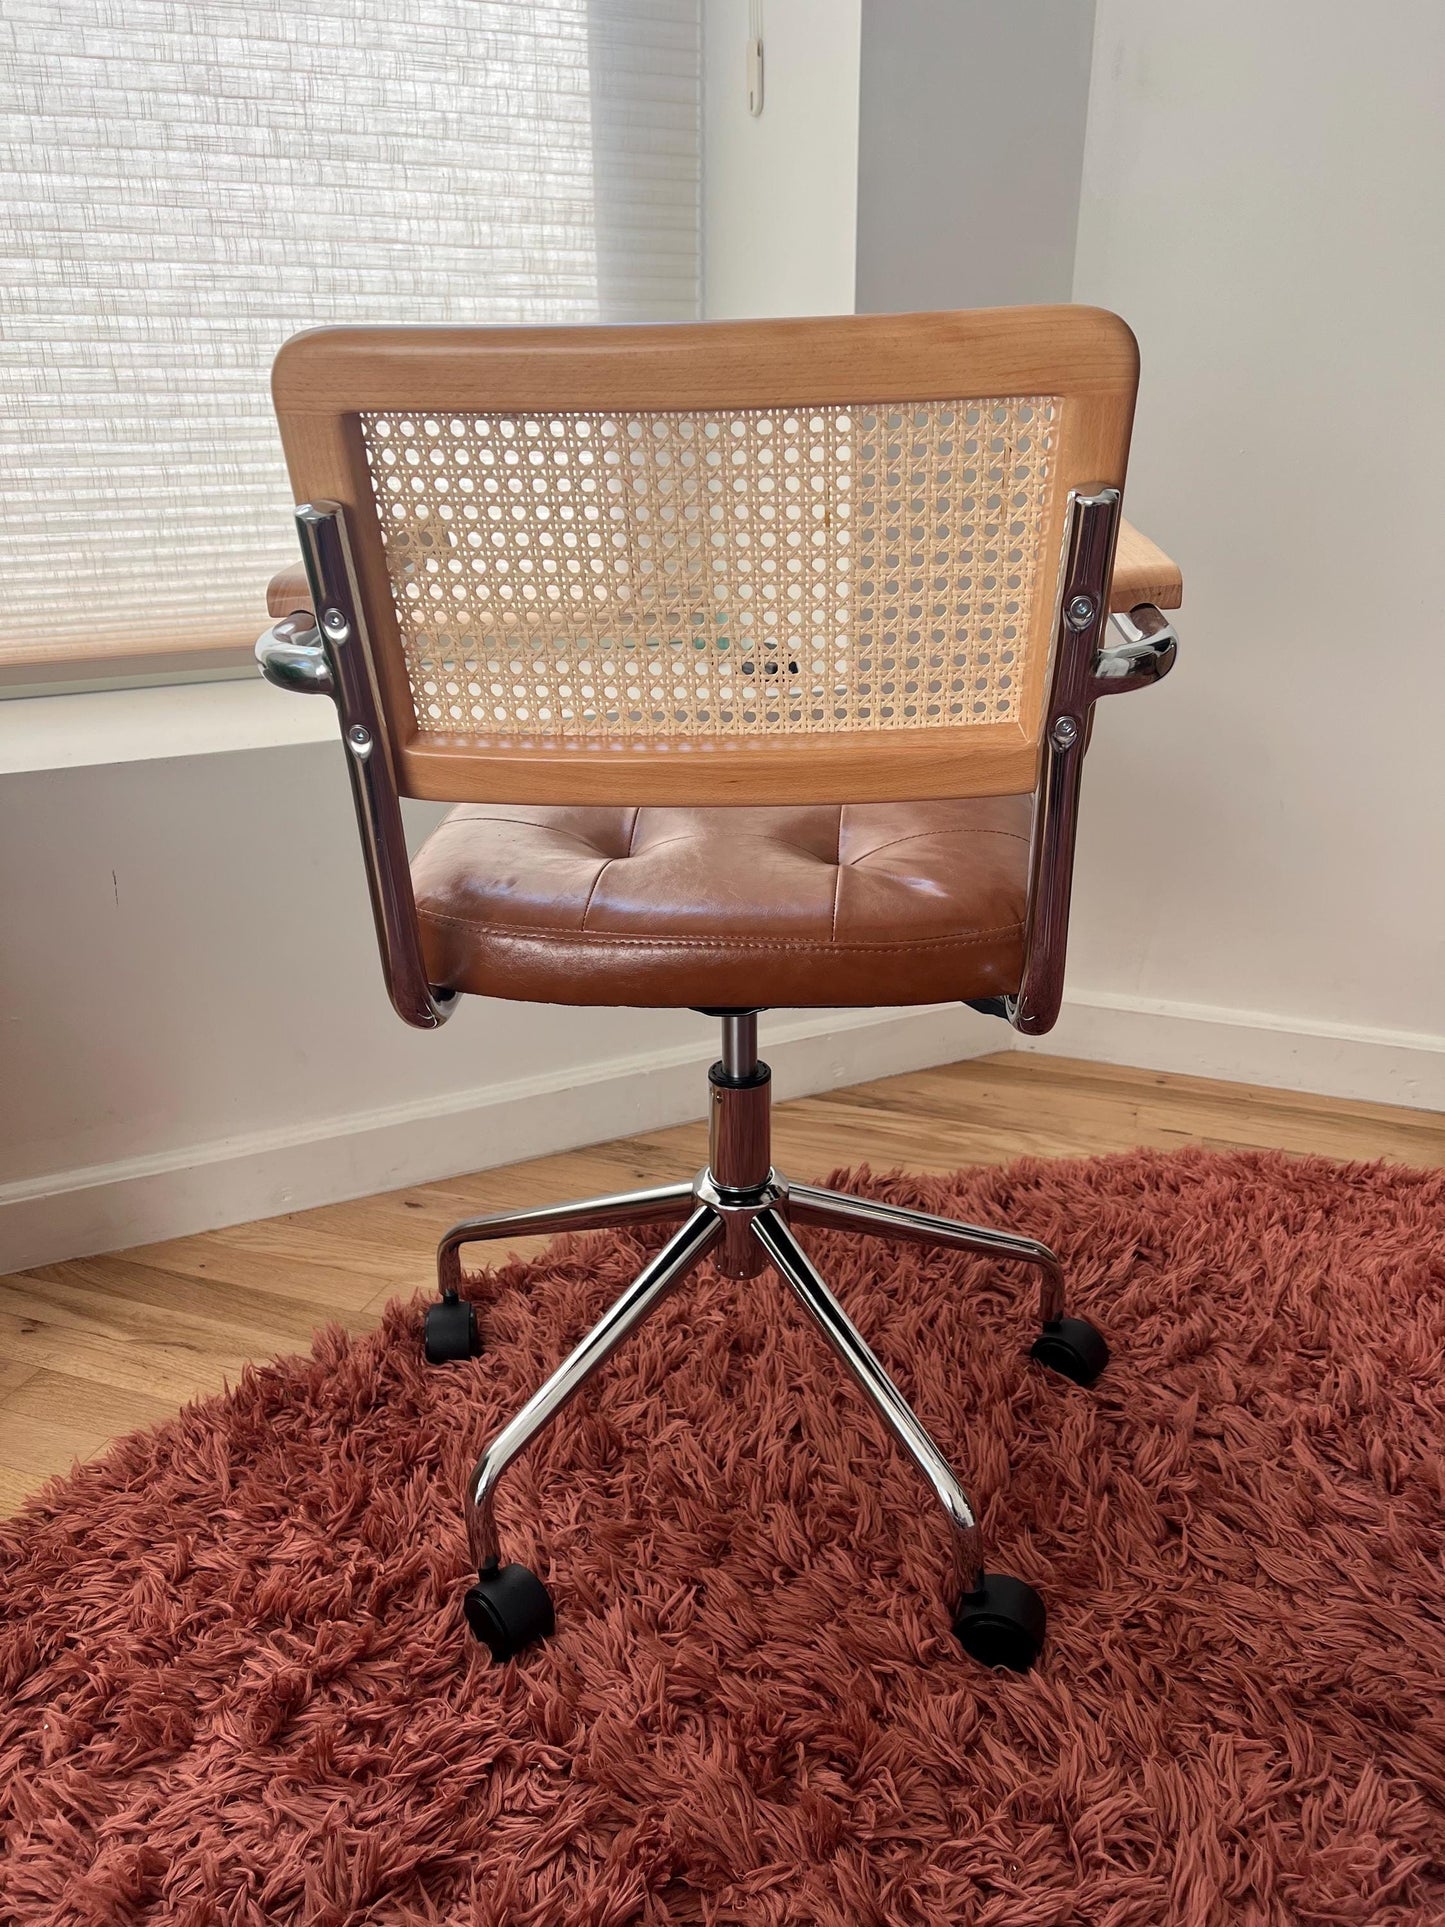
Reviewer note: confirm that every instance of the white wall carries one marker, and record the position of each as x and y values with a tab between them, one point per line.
193	1029
780	191
970	147
192	1024
1264	837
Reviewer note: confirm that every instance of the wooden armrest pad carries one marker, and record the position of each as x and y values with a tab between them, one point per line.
287	592
1142	573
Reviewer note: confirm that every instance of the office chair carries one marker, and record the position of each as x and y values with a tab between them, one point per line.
759	659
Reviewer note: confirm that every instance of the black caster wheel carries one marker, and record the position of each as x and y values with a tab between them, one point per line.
451	1331
507	1609
1073	1347
1002	1624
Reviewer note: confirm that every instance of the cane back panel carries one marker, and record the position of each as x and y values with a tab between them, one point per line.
761	594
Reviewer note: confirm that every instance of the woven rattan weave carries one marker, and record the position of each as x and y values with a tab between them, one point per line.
647	576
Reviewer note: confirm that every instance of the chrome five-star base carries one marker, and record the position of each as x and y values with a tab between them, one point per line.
742	1215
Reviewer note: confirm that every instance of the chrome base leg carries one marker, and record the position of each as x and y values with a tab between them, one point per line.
796	1269
739	1211
810	1204
653	1283
654	1206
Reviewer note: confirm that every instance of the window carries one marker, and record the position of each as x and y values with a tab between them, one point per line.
188	182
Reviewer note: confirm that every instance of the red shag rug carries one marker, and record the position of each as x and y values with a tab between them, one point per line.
236	1688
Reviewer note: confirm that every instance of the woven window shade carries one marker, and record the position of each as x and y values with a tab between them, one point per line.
188	182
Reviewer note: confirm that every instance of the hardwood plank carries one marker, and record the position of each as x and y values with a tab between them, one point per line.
65	1399
17	1487
98	1346
39	1448
132	1297
293	1264
56	1420
96	1356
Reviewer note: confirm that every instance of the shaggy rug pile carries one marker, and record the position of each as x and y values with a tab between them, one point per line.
235	1685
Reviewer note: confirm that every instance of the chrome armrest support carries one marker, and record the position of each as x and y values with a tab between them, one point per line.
331	656
1146	654
1083	671
290	654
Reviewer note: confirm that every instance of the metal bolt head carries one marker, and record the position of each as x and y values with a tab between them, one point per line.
359	735
1065	733
1080	612
335	625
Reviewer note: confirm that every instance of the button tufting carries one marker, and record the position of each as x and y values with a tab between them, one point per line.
817	905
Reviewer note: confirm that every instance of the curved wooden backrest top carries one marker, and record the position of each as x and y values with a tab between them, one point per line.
772	561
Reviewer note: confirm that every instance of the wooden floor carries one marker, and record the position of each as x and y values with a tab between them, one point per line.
99	1346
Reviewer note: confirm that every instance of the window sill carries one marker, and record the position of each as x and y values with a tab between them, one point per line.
147	725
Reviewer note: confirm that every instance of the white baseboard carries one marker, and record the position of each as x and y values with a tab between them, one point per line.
1249	1047
108	1207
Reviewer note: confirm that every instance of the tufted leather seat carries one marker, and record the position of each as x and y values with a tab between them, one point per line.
885	903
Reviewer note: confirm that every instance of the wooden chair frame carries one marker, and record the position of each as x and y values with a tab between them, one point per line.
324	381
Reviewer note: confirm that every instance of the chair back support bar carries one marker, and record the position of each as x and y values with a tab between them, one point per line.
333	659
805	561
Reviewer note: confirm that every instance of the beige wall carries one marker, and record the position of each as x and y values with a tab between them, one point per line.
780	192
970	142
192	1024
1264	841
192	1028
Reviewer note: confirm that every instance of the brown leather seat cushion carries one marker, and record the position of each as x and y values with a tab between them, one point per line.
884	903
